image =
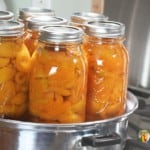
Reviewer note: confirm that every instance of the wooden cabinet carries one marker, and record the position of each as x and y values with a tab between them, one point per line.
97	6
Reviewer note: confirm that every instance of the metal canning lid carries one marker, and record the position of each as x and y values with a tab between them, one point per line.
6	15
24	13
60	34
11	28
35	23
83	17
105	29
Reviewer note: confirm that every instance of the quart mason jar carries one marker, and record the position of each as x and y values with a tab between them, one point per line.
14	69
79	19
6	15
58	77
107	69
33	26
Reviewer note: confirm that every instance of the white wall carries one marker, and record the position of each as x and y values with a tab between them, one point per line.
14	5
2	5
63	8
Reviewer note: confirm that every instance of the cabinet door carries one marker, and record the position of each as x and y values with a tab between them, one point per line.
97	6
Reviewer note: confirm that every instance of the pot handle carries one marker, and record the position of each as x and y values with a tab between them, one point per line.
97	141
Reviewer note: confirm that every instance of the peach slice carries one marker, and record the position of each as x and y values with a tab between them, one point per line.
6	73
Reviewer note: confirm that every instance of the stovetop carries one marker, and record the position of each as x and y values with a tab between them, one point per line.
139	122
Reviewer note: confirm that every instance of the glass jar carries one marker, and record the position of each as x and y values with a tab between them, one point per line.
6	15
14	69
25	13
33	26
107	69
58	77
79	19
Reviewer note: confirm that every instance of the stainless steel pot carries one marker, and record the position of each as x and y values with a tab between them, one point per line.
107	134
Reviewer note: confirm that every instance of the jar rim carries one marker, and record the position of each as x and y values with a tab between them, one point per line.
6	15
26	12
60	34
35	23
105	29
11	28
83	17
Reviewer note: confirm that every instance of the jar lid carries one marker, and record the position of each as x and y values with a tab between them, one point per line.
24	13
105	29
60	33
83	17
34	23
6	15
11	28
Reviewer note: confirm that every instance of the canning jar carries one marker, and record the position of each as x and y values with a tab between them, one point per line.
79	19
24	13
6	15
58	77
33	26
14	69
107	69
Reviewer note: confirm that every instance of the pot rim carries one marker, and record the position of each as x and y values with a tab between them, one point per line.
132	105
